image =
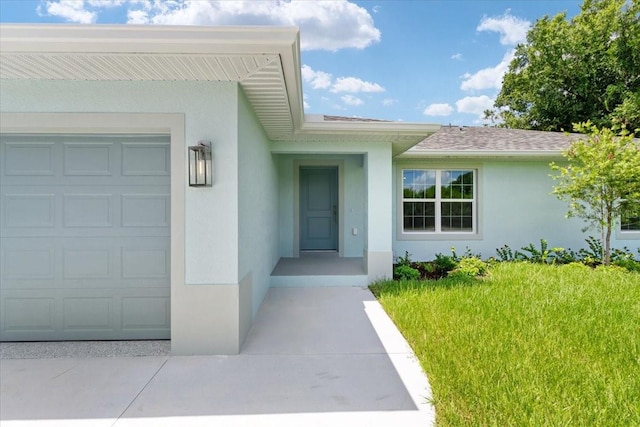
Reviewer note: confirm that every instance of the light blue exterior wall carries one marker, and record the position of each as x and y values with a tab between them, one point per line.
210	113
377	205
515	208
257	204
354	200
206	309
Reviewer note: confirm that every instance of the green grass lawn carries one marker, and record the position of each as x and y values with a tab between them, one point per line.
528	345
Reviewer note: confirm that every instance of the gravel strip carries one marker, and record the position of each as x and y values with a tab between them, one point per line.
83	349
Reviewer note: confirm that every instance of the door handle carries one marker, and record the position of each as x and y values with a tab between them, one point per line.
335	214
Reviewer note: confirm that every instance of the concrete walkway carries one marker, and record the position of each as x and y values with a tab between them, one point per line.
314	357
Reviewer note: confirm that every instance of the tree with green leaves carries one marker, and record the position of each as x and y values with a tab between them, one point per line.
571	71
600	180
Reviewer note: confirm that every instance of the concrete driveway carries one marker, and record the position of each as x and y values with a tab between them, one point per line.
314	357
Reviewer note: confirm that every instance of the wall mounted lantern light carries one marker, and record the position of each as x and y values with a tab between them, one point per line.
200	165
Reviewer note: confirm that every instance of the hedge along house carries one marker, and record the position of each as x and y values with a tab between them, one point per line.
103	238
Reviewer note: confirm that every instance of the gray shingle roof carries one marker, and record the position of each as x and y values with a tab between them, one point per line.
350	119
492	140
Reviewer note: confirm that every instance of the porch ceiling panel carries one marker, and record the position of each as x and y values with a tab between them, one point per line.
60	66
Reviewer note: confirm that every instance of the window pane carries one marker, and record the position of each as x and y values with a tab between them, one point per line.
418	183
408	208
419	216
630	224
456	216
467	178
457	184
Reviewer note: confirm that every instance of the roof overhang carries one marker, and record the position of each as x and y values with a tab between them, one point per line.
265	61
401	135
475	154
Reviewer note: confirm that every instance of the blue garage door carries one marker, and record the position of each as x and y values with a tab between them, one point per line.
84	237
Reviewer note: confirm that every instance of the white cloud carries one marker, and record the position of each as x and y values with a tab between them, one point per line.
105	3
137	17
351	100
438	110
474	104
488	78
456	56
322	80
317	79
71	10
354	85
388	102
513	30
325	25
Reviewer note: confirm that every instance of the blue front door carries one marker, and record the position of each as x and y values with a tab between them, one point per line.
318	208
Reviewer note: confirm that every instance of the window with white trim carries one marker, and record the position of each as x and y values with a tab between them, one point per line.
629	223
439	200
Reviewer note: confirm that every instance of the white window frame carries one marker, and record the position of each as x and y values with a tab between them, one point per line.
626	234
438	234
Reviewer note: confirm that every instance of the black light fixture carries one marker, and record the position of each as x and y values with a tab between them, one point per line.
200	165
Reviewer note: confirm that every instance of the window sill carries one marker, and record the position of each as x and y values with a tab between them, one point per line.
627	235
439	236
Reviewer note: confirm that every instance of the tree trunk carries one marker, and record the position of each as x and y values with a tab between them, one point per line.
606	259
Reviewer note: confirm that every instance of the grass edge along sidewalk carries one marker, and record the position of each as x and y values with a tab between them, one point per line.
528	344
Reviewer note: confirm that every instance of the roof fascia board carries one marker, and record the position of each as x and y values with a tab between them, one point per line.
378	128
545	154
147	39
292	70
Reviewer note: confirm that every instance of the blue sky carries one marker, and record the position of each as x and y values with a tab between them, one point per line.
436	61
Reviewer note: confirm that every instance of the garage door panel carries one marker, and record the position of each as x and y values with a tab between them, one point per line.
89	159
145	263
88	210
94	313
28	159
28	313
139	159
24	262
143	313
84	237
88	264
21	210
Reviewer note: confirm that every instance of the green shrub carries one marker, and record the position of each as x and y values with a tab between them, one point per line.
471	266
467	254
627	263
593	255
444	264
404	260
538	256
405	272
505	254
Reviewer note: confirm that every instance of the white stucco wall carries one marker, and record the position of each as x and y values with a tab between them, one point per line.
515	207
257	206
